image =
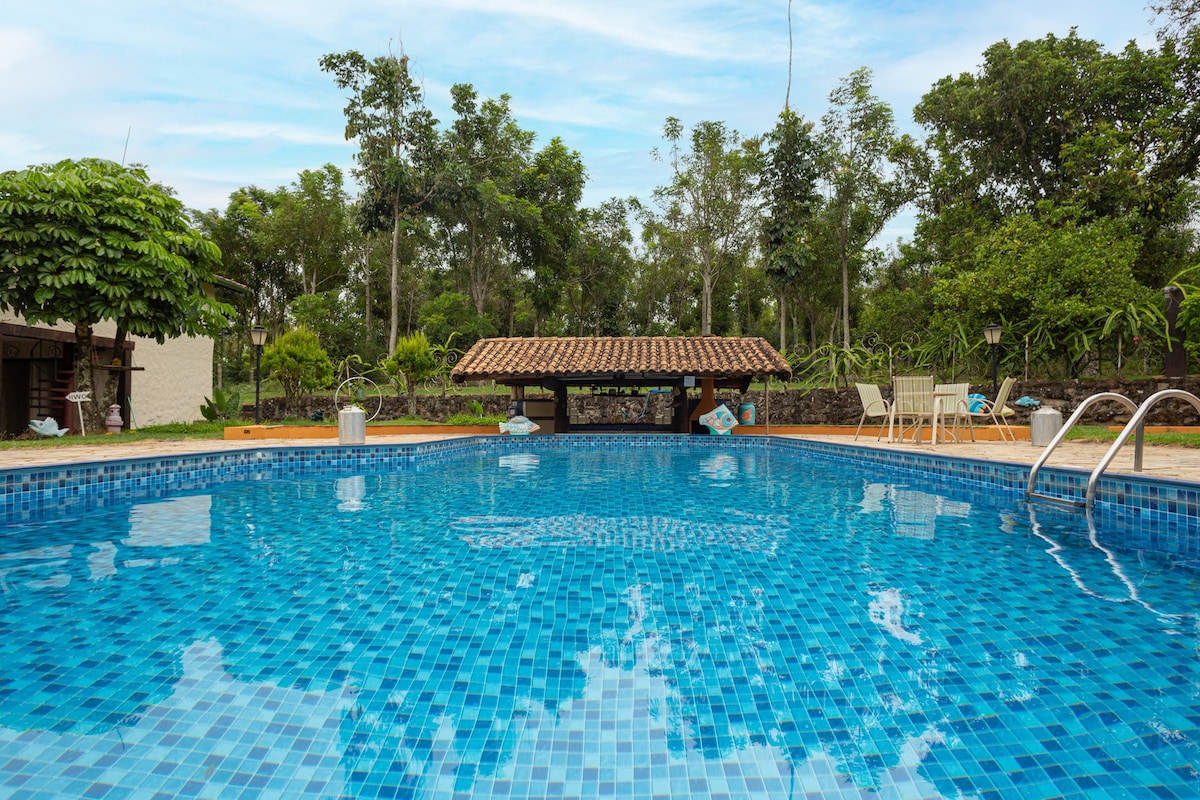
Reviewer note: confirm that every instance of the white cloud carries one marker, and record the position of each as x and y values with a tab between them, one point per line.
273	132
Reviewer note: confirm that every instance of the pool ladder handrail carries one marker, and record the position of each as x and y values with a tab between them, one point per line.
1136	425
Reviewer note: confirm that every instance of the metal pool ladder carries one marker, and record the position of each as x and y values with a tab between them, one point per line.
1136	425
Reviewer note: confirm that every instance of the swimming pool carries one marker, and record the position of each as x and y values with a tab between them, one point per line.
674	617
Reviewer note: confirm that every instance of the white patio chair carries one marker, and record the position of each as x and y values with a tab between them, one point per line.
874	406
955	408
912	403
998	412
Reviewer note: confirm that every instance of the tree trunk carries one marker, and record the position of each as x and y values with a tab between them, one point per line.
366	256
92	420
706	291
845	301
395	280
112	378
783	307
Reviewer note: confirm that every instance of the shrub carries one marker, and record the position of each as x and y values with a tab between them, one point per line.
413	361
299	363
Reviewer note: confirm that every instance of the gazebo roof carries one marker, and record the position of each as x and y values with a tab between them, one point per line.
630	360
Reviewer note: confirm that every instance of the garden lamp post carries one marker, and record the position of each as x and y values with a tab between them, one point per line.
992	334
258	337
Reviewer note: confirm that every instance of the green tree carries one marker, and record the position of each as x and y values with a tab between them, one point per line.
413	362
552	186
398	157
312	228
252	256
1116	135
1054	278
452	313
861	152
479	207
90	240
709	211
790	175
297	360
333	318
601	268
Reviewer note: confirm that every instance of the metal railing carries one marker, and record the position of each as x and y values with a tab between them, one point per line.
1136	426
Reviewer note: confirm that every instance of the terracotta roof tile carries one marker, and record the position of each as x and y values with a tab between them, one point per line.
586	357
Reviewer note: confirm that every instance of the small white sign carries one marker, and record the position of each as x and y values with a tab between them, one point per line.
78	398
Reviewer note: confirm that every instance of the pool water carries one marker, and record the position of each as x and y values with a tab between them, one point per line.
553	622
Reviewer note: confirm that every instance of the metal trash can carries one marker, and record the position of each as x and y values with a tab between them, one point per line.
352	425
1043	425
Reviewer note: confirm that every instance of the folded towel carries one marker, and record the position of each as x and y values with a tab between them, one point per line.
1028	402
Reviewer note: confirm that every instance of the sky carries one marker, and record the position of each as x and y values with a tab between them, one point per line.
212	96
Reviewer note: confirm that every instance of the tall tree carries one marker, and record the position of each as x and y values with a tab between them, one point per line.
862	188
790	175
1059	122
601	267
313	228
398	154
486	152
712	203
251	255
551	186
90	240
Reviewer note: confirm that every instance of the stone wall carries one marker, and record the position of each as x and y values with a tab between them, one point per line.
794	406
842	407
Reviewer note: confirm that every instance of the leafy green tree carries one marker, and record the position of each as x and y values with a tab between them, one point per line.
90	240
450	314
251	255
664	292
332	317
297	360
413	362
790	175
1116	135
479	207
861	151
710	208
552	186
312	227
398	156
1055	279
601	267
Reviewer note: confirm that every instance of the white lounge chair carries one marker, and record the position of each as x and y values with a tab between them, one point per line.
998	412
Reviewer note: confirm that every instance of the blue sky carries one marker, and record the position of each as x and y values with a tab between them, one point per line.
217	95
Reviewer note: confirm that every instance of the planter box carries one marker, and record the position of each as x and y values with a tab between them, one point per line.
244	432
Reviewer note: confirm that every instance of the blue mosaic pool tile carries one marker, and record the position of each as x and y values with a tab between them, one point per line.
42	493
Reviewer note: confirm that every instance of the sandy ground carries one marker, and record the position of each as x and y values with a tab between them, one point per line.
1158	461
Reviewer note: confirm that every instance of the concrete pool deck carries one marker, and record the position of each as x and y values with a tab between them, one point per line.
1159	461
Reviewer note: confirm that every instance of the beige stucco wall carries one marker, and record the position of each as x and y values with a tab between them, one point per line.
176	379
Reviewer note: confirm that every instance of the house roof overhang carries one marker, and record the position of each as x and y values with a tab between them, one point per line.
555	362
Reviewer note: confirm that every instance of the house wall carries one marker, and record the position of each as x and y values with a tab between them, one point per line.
175	378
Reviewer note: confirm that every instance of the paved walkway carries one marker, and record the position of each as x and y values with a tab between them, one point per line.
1159	460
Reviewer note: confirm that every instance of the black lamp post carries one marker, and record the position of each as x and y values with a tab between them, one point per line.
992	334
258	337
